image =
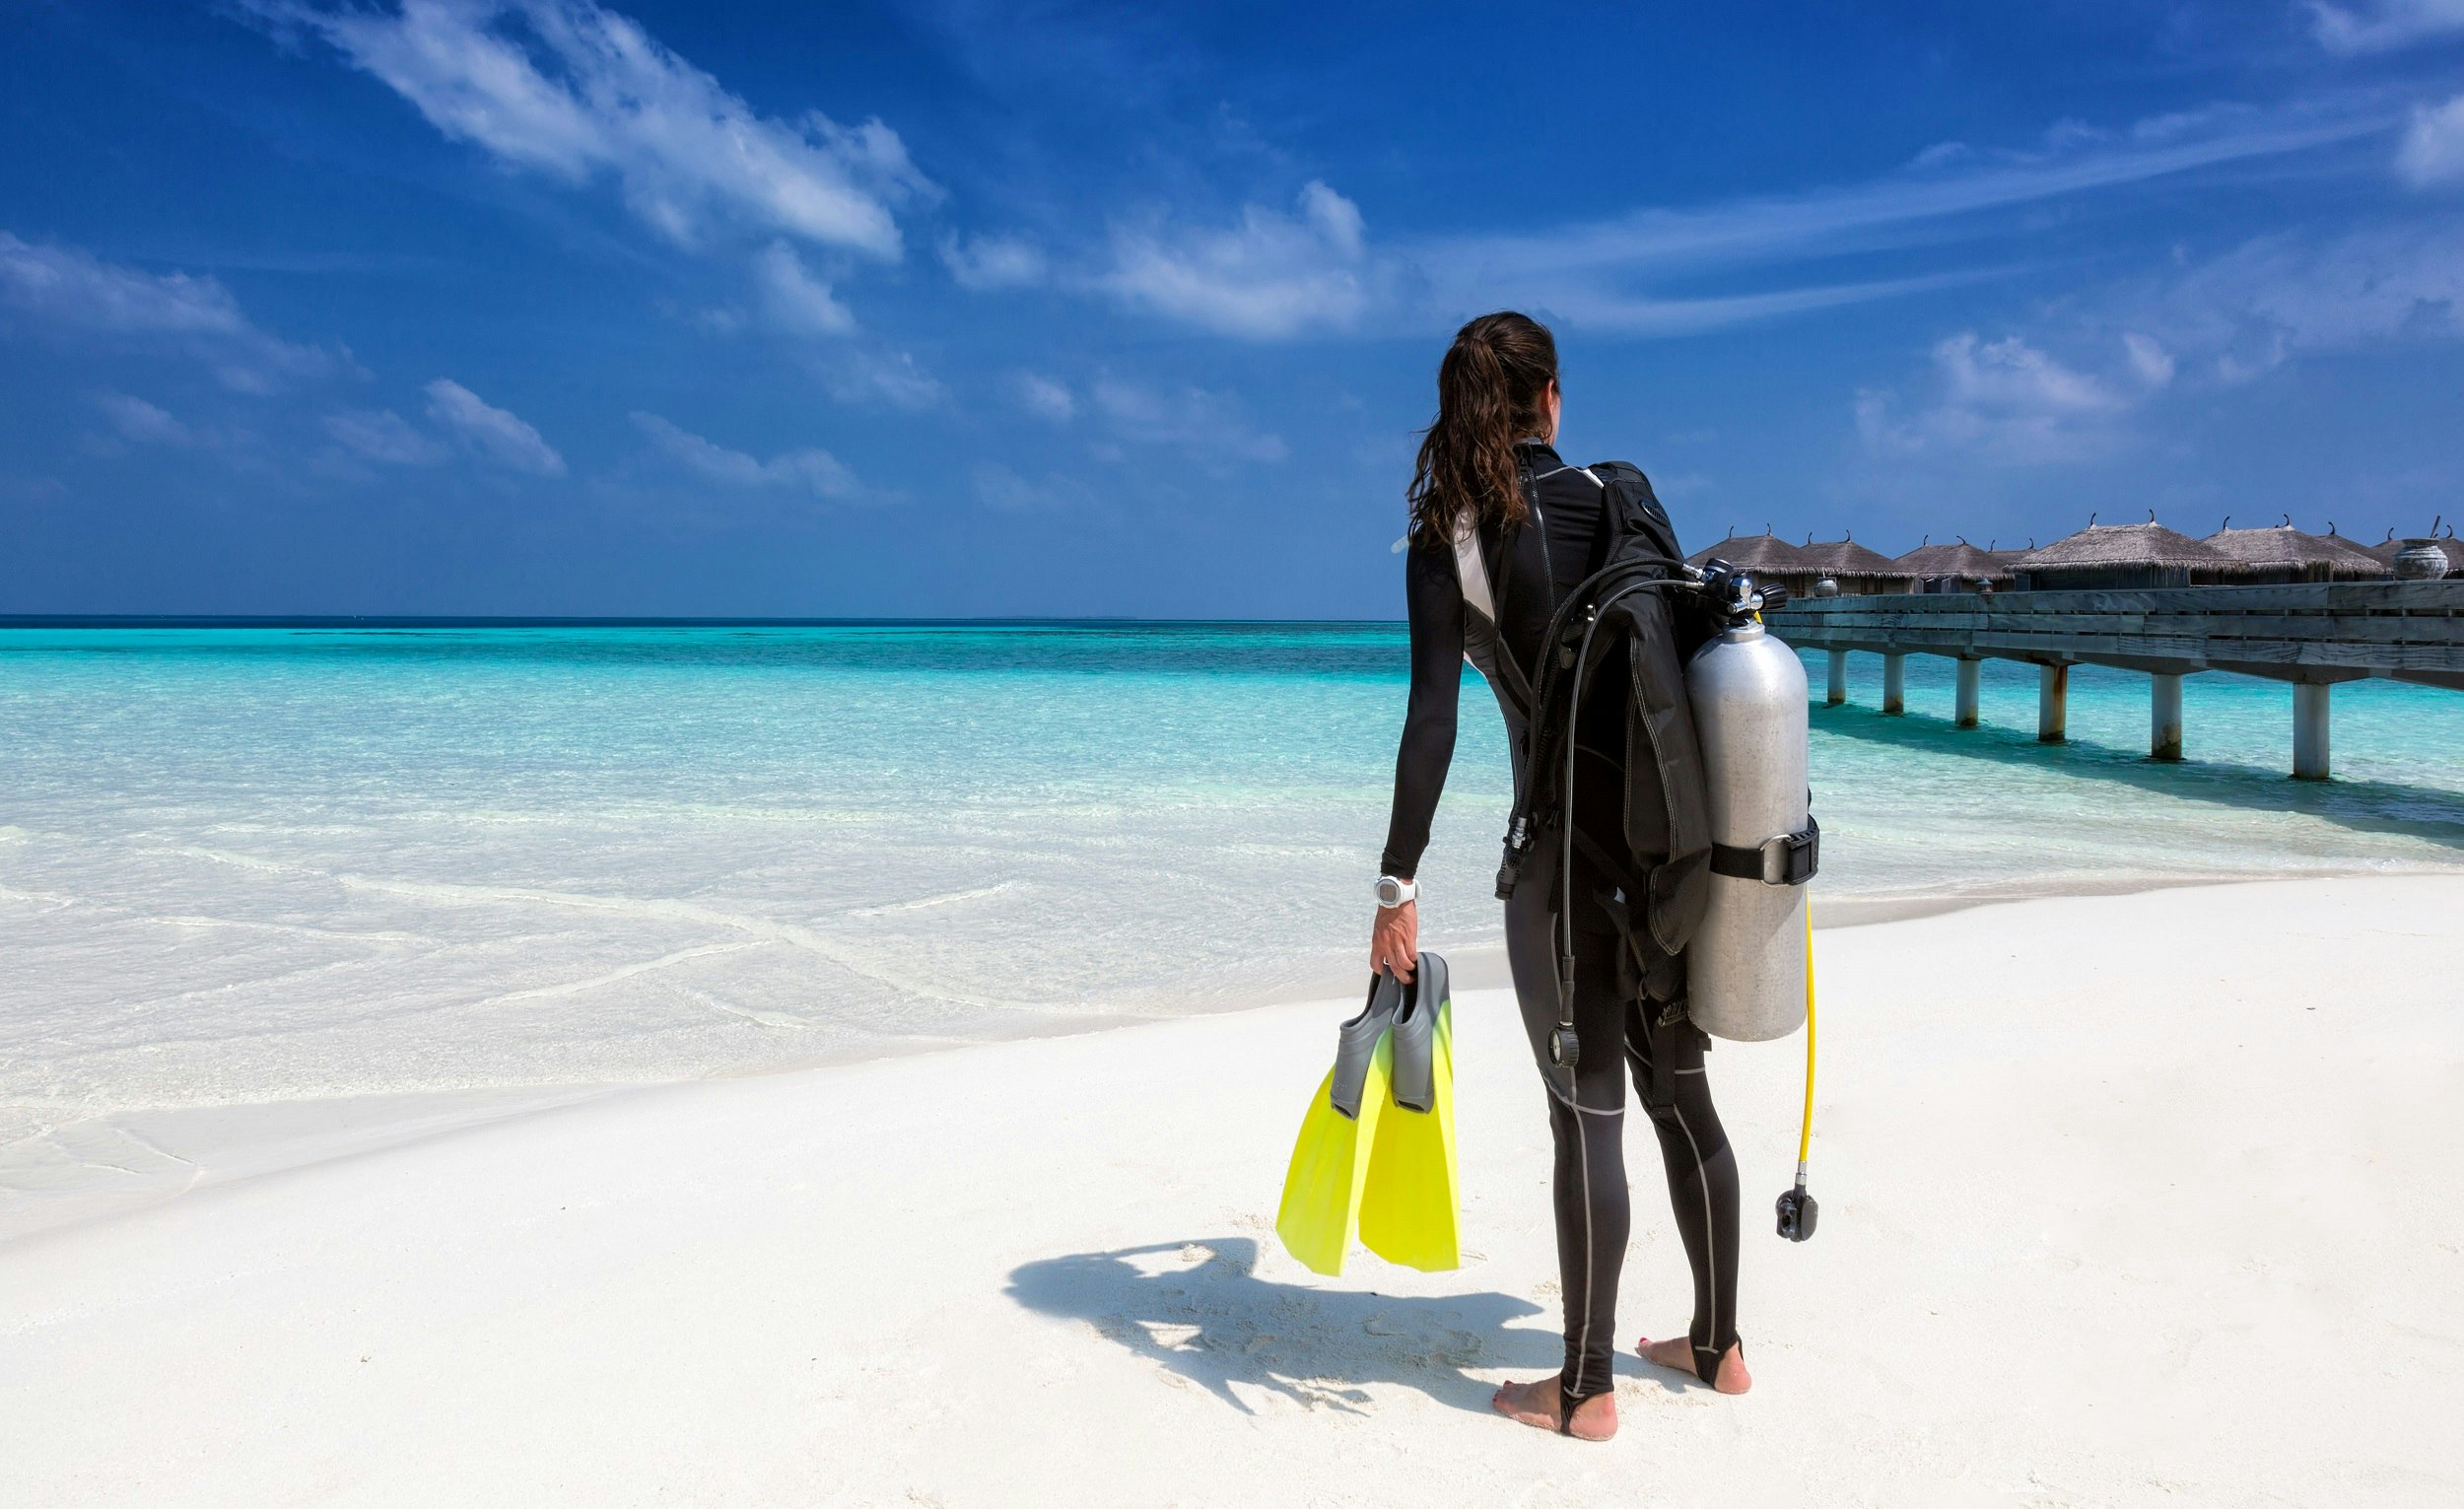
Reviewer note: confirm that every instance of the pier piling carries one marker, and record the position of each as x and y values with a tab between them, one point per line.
2164	717
2309	729
1965	715
1894	683
1838	692
2053	704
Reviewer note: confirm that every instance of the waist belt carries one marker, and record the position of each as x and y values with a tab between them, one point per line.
1787	859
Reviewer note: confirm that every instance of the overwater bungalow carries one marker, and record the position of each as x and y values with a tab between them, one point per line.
2282	553
2121	557
1767	556
1959	567
1856	571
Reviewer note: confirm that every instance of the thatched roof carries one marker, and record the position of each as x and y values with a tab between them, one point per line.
1961	560
1759	552
2283	546
1847	558
2148	544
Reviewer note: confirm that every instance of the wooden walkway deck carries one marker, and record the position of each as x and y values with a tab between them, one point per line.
2312	634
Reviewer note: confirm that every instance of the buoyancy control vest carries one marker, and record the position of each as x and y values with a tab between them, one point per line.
1628	614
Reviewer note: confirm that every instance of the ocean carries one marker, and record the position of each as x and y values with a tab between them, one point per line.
257	864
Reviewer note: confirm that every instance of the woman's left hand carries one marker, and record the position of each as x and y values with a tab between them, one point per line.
1395	941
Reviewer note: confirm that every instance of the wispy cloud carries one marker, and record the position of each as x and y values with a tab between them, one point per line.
1315	270
2008	402
1271	275
1945	197
69	293
797	300
892	377
571	91
994	261
494	435
2384	25
811	470
1206	424
384	437
1043	398
2432	153
144	424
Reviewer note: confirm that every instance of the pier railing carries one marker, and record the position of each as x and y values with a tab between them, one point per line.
2310	634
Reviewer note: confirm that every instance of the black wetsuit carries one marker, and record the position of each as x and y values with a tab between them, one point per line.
1547	558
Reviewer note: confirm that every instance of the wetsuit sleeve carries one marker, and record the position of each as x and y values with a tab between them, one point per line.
1434	599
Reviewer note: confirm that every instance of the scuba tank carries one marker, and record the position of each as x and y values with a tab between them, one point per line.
1746	965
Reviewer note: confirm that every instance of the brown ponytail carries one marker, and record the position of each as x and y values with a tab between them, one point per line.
1493	390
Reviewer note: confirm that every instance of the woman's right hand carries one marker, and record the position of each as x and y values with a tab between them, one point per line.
1395	941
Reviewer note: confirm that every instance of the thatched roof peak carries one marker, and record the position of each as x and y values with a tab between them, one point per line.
2285	545
1846	556
1959	560
1765	552
2148	544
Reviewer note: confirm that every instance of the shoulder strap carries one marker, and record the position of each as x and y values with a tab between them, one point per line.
1472	570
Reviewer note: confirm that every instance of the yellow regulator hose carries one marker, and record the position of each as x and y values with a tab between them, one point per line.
1797	1208
1805	1131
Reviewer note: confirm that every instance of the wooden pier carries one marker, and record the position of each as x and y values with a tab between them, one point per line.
2312	634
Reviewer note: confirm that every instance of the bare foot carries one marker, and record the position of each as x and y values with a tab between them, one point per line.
1677	1354
1538	1404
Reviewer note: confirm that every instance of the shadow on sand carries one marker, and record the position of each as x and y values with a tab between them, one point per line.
2364	806
1199	1309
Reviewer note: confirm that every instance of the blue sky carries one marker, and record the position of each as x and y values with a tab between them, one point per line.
966	309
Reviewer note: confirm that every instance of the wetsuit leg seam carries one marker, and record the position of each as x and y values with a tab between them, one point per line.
1710	1235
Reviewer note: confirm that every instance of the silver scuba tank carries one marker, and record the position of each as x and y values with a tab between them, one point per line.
1746	968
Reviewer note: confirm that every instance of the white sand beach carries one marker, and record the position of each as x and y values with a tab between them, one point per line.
2126	1200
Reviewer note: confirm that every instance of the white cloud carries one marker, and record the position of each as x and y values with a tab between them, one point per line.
1045	397
496	435
2271	300
1274	275
1190	419
798	301
568	88
143	423
2009	402
383	437
2382	26
994	261
68	293
1602	274
810	470
893	377
2432	152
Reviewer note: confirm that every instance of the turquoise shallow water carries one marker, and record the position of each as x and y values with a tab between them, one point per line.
243	865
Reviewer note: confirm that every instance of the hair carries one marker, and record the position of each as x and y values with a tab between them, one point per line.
1493	390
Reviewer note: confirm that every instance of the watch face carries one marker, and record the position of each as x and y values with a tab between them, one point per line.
1390	891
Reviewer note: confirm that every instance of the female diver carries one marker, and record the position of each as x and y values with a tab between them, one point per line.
1487	465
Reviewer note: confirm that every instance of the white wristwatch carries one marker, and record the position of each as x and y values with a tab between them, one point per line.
1394	893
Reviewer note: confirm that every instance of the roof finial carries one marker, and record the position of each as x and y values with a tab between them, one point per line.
2152	516
2227	524
2331	529
2289	520
1922	543
2092	520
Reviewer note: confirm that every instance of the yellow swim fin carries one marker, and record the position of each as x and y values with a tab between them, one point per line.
1322	1190
1411	1209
